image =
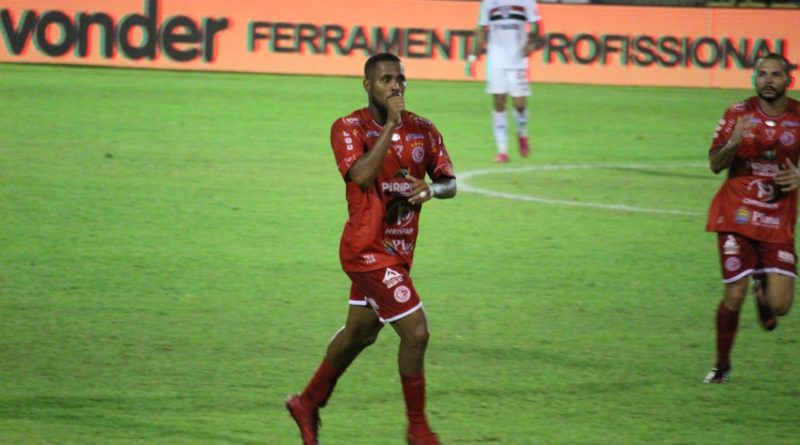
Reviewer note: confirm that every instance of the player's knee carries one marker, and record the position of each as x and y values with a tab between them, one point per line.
782	308
419	337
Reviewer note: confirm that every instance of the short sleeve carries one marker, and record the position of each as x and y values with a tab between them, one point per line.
725	127
483	18
347	145
439	166
532	11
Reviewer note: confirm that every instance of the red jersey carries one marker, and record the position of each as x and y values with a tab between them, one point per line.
381	227
749	202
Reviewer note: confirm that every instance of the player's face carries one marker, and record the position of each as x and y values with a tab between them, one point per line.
771	80
387	79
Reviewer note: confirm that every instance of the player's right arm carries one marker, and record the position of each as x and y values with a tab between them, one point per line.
366	169
730	130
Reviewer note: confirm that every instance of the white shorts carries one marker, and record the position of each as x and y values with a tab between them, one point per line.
508	81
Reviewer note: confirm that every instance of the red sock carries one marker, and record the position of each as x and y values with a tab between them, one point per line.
321	386
414	393
727	323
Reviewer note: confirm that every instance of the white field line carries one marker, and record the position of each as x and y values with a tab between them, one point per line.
463	185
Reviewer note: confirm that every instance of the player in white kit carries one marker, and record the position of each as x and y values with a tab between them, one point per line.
511	29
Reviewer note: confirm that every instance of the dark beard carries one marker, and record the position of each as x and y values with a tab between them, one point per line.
381	109
769	100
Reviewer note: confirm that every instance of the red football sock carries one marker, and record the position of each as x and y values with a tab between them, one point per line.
727	323
414	393
321	386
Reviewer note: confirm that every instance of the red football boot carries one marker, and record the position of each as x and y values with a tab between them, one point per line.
307	420
422	436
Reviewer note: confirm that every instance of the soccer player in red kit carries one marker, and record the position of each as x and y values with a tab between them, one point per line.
755	210
383	153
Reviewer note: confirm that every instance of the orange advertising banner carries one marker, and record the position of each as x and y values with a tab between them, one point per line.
591	44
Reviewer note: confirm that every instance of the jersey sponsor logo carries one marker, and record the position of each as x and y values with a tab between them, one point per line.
742	216
418	154
763	205
787	138
392	278
398	148
764	192
730	246
733	264
402	294
764	220
508	27
763	169
786	257
770	132
401	245
394	231
396	187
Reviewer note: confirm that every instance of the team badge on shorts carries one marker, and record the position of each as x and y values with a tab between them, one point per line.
402	294
733	264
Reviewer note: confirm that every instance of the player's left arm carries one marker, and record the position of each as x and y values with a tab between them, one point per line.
440	170
788	178
535	39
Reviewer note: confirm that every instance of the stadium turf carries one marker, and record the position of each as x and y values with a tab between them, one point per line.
169	268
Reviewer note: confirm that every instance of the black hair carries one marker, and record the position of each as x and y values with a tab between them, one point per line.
787	67
375	59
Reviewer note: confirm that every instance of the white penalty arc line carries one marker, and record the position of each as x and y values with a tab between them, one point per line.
464	186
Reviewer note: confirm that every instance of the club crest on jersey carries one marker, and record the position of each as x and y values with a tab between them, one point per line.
418	154
742	216
392	278
787	138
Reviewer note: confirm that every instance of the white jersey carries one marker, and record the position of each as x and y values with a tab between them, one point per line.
507	22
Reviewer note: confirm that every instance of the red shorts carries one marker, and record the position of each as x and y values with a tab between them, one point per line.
389	291
741	256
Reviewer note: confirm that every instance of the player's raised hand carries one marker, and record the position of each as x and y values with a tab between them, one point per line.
395	104
788	178
420	190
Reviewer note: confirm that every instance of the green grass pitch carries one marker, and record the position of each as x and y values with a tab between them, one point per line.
169	268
